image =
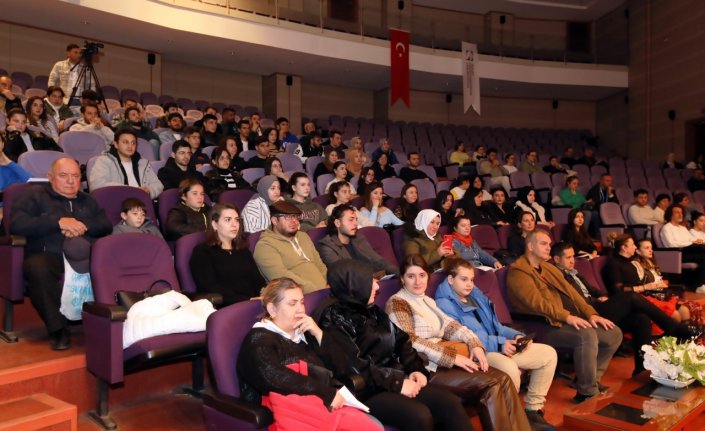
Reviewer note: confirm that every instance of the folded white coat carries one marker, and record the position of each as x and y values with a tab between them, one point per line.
168	313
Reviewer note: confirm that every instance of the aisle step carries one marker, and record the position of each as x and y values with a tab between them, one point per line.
38	411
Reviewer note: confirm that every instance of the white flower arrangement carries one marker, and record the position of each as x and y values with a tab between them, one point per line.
666	358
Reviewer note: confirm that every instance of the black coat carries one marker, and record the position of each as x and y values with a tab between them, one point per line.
171	175
15	146
183	220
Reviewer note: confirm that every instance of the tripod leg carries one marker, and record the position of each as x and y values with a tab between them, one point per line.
98	89
81	77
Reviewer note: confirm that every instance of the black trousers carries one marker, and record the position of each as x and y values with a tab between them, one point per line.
43	273
418	414
696	254
634	314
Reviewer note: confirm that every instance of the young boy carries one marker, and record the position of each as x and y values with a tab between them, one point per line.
134	220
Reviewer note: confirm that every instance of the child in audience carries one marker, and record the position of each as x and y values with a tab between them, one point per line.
134	220
190	214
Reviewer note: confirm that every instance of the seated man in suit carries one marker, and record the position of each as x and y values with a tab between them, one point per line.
629	310
343	242
539	288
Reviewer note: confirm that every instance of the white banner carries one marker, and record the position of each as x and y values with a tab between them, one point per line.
471	79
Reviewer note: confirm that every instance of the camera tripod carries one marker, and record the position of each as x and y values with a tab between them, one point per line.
87	68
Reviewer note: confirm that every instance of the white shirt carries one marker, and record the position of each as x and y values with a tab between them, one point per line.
271	326
676	236
698	234
27	141
131	179
643	215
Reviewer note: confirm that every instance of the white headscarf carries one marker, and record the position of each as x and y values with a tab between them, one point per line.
423	219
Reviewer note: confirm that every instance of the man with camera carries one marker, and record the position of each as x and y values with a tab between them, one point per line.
65	73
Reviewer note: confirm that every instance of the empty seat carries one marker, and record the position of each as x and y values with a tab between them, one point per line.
81	145
38	163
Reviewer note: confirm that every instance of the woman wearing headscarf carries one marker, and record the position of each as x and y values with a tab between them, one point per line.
396	385
526	201
256	212
424	239
456	356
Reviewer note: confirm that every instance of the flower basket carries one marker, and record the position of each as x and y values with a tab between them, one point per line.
675	364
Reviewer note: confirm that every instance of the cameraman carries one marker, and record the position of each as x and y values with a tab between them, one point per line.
65	74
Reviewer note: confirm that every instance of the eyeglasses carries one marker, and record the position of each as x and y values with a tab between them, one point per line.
290	217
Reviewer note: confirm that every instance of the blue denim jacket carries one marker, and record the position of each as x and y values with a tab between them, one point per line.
473	254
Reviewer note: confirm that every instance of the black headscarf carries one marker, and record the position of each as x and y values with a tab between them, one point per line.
351	281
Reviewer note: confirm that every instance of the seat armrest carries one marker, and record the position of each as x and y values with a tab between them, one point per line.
113	312
257	415
215	298
13	240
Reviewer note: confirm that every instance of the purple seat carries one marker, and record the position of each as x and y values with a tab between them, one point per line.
612	221
185	103
488	284
585	268
427	203
238	197
165	98
311	164
519	179
380	242
321	183
425	189
398	243
128	93
110	198
597	265
530	323
110	92
670	259
41	81
387	288
392	186
82	145
252	174
322	200
145	149
148	98
38	163
252	240
201	104
11	259
503	234
22	79
290	162
130	262
486	237
182	257
316	234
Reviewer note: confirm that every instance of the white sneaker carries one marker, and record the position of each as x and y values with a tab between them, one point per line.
700	289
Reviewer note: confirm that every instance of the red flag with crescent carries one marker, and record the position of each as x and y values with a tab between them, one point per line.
399	44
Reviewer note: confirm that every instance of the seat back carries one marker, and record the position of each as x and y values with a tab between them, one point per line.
226	330
425	189
380	241
290	162
9	196
584	268
238	197
322	181
110	198
597	265
519	179
316	234
398	243
81	145
611	214
656	235
134	262
311	164
182	258
387	288
166	201
252	174
489	285
392	186
503	234
252	240
486	237
38	163
145	149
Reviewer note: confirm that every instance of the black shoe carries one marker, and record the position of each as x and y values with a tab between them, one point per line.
60	340
537	421
600	387
579	398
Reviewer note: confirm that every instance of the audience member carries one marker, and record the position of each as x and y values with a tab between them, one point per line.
343	242
313	215
314	147
331	157
175	123
285	251
65	73
374	210
501	211
640	212
568	158
90	122
422	238
305	139
385	148
286	336
228	125
10	172
526	201
169	108
38	118
412	171
133	219
221	177
675	234
696	181
8	100
191	212
285	136
431	330
516	242
262	153
340	194
340	172
356	148
18	139
242	137
395	379
510	163
467	248
178	167
697	163
536	287
576	234
698	229
195	139
459	298
408	208
355	161
223	264
50	216
571	195
492	167
530	165
472	206
602	192
555	167
663	201
479	154
683	200
256	130
443	205
459	156
367	177
123	165
55	106
335	142
255	214
133	121
382	168
210	132
589	158
671	162
236	162
459	186
273	166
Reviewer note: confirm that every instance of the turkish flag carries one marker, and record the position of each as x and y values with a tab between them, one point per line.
399	48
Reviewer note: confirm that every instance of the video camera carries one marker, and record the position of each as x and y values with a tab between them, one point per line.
89	50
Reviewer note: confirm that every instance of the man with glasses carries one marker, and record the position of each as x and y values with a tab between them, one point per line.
57	219
285	251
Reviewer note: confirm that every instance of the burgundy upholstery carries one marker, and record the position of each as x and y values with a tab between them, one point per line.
182	257
503	234
238	197
486	237
586	269
597	265
398	243
488	284
380	242
252	239
110	198
387	288
316	234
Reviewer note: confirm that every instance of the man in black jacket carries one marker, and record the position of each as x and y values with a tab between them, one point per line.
602	191
50	215
178	166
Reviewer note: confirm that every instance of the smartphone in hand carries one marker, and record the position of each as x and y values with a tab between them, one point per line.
448	241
